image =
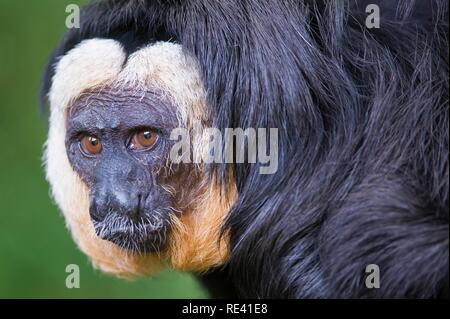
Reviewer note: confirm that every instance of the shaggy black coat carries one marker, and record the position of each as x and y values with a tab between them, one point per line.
362	114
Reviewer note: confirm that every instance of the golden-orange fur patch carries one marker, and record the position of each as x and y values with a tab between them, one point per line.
195	242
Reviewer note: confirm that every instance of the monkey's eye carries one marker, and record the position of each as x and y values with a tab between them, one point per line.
143	139
91	145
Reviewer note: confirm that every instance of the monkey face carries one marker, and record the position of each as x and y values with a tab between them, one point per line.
118	143
129	208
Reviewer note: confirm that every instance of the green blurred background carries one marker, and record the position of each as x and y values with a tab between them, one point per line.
35	246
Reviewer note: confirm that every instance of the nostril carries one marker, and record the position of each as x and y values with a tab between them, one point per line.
96	212
138	208
99	201
135	211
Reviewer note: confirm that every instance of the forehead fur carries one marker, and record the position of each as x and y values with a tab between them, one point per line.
97	63
91	64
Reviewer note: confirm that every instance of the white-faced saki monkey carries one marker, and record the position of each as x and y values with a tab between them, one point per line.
360	108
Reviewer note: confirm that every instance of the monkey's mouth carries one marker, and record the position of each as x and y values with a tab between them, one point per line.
144	234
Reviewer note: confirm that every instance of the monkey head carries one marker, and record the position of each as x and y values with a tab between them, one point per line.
129	207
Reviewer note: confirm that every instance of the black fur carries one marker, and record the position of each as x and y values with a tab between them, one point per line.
363	135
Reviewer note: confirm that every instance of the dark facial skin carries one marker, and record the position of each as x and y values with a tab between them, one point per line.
128	205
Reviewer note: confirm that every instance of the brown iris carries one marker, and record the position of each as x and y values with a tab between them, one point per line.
91	145
143	139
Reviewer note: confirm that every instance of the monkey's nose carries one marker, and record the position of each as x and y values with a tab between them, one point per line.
119	202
